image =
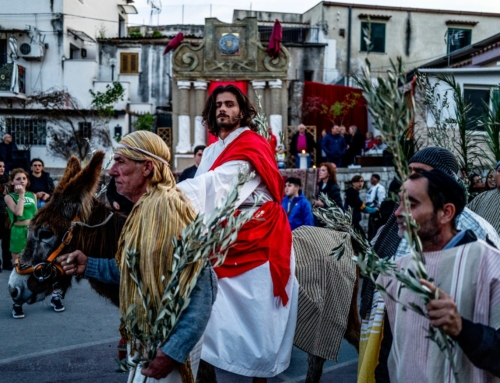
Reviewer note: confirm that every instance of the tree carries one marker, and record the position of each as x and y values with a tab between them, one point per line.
72	129
144	122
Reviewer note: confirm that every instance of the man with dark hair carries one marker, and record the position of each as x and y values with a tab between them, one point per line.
467	303
297	207
41	183
250	331
7	147
389	244
334	146
191	171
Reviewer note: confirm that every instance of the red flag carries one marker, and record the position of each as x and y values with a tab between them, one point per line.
174	43
273	49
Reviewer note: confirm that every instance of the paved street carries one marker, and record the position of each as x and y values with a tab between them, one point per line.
79	344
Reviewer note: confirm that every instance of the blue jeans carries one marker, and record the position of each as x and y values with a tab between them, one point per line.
40	204
297	161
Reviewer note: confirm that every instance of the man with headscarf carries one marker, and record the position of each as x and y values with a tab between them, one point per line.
389	244
487	204
142	174
251	328
465	284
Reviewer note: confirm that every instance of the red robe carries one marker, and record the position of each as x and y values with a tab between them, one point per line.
267	239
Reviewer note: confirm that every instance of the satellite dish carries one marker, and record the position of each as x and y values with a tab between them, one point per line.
13	48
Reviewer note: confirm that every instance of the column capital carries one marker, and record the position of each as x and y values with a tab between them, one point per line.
258	84
275	84
184	84
200	85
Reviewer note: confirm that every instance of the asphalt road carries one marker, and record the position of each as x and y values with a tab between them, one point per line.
79	344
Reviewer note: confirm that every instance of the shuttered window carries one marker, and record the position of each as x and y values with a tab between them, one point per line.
129	62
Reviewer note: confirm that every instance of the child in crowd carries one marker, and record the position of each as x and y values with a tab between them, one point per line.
281	157
21	208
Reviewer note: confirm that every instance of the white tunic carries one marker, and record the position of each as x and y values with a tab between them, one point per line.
250	332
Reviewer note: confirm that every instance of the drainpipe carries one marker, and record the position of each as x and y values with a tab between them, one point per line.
349	25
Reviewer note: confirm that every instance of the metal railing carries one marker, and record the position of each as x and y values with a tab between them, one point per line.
298	35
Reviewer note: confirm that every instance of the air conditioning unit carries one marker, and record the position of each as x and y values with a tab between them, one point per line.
31	51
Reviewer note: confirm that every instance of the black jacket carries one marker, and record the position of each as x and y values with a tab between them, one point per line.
45	183
332	191
311	144
352	200
188	173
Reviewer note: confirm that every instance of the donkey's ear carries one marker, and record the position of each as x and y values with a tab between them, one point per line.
85	182
72	169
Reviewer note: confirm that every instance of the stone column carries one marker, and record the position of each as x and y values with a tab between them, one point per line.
200	132
276	118
184	127
259	87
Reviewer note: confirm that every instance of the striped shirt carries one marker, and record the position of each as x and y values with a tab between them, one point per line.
487	205
470	274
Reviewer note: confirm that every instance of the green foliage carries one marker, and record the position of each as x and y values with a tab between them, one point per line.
337	112
157	34
135	34
260	119
145	122
392	115
103	101
490	120
456	133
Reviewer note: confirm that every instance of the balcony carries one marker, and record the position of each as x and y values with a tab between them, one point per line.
12	81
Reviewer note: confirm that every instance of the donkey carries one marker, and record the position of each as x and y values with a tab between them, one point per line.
96	232
74	204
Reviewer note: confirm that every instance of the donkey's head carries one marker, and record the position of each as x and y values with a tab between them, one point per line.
73	200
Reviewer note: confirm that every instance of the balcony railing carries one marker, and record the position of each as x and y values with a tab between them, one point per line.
298	35
12	79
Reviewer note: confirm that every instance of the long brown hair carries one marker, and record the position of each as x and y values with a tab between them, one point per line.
246	108
331	171
13	175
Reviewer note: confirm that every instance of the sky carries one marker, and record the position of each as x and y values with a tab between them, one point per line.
195	11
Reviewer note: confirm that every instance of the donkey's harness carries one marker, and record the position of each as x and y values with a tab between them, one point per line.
45	270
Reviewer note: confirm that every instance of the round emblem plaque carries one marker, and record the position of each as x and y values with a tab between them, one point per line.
229	44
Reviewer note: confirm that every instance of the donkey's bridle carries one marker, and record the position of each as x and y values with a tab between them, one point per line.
45	270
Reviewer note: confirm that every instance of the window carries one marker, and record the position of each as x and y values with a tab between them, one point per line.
308	75
129	63
458	38
476	98
377	37
3	51
85	129
27	132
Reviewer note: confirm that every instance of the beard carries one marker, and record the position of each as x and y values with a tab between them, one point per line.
229	123
429	230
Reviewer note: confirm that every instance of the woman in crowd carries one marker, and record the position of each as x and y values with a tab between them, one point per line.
490	180
327	184
353	201
21	208
4	226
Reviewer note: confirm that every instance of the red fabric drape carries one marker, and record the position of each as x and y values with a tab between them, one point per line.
330	94
174	43
241	85
268	238
273	48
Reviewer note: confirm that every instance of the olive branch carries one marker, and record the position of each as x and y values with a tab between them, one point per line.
386	100
208	238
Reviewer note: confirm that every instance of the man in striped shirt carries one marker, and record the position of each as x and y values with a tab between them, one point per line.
487	204
466	273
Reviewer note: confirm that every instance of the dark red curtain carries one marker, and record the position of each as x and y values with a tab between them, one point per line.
316	93
241	85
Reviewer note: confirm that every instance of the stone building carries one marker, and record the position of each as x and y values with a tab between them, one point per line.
229	53
418	35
